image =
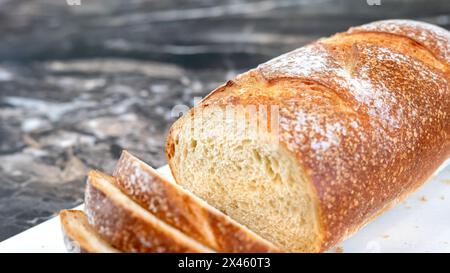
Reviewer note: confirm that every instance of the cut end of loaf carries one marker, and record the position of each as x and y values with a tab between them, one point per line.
247	175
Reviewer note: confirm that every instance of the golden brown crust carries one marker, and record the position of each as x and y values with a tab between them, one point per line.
434	38
398	43
126	228
367	121
179	208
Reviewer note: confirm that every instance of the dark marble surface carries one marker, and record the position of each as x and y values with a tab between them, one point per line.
80	83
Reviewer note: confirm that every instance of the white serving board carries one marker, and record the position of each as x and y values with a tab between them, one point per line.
419	224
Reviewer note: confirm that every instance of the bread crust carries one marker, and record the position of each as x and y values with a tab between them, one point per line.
126	227
76	240
368	122
432	37
184	211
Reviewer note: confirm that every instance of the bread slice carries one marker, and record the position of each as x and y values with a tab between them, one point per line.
184	211
79	236
126	225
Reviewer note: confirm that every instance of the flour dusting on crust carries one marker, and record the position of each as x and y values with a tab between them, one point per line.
433	37
366	117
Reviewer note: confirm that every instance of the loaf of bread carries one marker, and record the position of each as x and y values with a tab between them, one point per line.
126	225
184	211
309	147
79	236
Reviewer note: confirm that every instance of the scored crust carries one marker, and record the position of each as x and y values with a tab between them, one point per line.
126	225
184	211
434	38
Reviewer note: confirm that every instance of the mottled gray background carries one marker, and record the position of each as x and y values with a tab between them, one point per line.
80	83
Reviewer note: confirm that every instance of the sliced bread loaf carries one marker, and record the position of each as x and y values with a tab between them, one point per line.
128	226
183	210
309	147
